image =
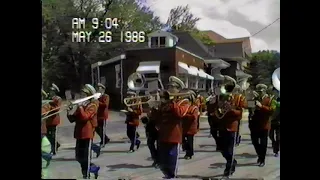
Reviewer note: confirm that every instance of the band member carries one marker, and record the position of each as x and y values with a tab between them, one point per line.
237	91
132	122
102	115
260	124
274	133
152	134
54	121
214	122
229	112
190	125
45	143
200	103
169	127
85	123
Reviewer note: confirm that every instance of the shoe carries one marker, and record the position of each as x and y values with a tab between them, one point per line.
258	161
138	144
187	157
58	146
156	165
276	155
233	168
261	164
131	151
98	152
226	173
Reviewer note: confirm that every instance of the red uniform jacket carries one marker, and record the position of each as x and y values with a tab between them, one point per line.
103	108
169	121
133	117
86	121
45	108
190	121
261	116
55	104
200	103
232	119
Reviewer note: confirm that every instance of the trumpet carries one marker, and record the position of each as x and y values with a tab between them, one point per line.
68	106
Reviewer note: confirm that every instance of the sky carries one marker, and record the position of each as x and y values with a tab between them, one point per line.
231	18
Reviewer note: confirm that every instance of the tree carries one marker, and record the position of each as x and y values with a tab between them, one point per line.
262	64
181	19
67	63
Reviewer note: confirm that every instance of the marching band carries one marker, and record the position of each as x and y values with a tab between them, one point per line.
173	121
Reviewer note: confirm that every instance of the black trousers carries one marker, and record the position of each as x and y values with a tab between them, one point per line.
198	122
214	131
133	136
188	144
227	148
51	135
153	147
274	136
83	155
259	140
101	131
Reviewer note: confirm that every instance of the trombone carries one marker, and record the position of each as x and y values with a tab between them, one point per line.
68	106
133	101
152	97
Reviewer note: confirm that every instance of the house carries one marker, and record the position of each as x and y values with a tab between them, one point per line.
165	54
233	51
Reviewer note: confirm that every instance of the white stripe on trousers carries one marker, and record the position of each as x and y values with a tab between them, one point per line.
177	162
89	157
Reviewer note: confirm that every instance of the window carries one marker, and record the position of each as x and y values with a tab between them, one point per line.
158	42
162	42
154	41
103	80
118	75
184	79
192	82
202	84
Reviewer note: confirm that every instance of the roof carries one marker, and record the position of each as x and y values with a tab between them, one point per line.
221	39
189	43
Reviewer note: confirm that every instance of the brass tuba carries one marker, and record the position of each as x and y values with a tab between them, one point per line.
224	105
276	79
224	100
136	81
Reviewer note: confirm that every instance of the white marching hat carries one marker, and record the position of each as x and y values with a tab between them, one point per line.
174	81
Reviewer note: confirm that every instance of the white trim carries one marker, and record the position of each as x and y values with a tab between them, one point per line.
89	157
149	67
189	52
177	161
205	75
109	61
159	33
240	73
185	69
218	63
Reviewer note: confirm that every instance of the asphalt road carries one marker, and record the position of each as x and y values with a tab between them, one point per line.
115	128
116	163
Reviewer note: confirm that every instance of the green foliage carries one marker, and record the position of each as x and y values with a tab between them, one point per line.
262	64
67	63
181	19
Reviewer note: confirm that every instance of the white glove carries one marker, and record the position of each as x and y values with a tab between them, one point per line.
258	104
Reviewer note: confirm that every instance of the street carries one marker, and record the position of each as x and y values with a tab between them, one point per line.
116	163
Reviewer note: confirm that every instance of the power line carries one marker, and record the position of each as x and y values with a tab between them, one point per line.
266	27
